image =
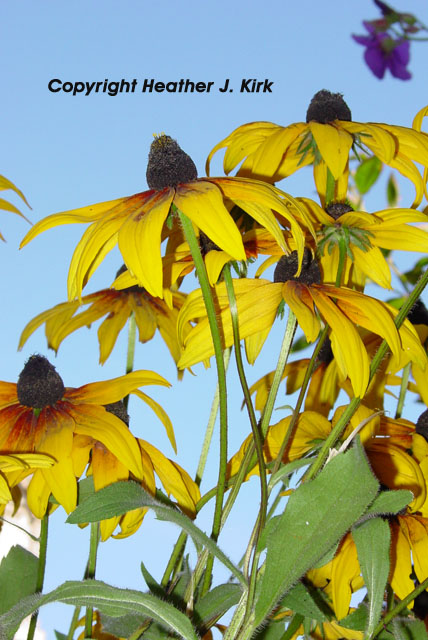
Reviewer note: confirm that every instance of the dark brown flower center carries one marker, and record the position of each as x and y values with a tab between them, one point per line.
326	107
422	425
118	409
135	288
168	164
39	385
325	354
287	267
337	209
418	314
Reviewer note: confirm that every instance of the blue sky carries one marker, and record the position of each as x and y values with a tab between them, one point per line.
67	151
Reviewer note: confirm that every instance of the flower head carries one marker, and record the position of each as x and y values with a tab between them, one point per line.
384	52
139	223
150	313
39	414
271	152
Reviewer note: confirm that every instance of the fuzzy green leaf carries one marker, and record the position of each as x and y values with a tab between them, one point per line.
317	515
300	600
18	577
111	600
389	502
121	497
216	603
373	539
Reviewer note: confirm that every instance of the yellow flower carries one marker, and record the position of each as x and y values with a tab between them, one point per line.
272	152
150	314
6	184
139	223
340	308
39	414
365	235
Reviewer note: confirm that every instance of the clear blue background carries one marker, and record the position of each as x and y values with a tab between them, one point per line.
65	152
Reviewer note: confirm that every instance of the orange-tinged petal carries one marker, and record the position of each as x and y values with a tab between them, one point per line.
397	470
202	202
109	391
96	422
140	241
333	144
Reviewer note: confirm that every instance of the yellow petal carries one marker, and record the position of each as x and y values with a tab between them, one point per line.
175	479
38	494
101	425
84	214
162	415
298	297
140	240
109	391
333	144
203	203
110	328
5	494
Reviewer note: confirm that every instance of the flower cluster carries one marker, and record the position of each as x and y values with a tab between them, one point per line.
322	254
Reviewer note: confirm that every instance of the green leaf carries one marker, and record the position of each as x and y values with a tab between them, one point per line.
124	625
392	191
300	600
60	636
121	497
389	502
274	631
154	586
367	174
214	604
110	600
18	577
408	630
373	539
357	620
317	516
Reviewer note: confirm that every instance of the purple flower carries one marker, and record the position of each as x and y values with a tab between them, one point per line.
383	52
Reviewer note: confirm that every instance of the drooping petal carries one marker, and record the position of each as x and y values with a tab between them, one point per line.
202	202
84	214
298	297
175	479
161	414
333	144
109	391
38	493
110	328
99	424
8	394
139	240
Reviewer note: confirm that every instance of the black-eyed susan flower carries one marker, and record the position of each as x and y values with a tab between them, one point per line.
271	152
364	235
105	468
139	223
340	308
5	205
39	414
117	305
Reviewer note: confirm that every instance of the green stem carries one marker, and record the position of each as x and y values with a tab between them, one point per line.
403	390
132	331
201	271
399	608
287	342
73	623
257	436
90	572
178	550
41	568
